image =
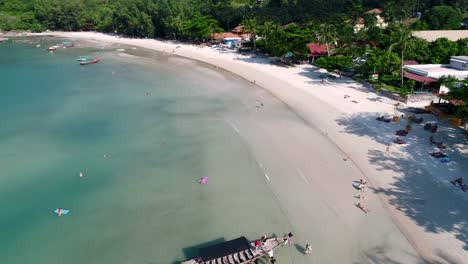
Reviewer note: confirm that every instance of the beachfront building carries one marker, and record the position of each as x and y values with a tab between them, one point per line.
317	50
379	20
429	73
228	38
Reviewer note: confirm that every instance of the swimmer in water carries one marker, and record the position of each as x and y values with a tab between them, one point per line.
60	212
81	174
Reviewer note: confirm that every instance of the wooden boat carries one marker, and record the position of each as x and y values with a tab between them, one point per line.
236	251
90	61
52	48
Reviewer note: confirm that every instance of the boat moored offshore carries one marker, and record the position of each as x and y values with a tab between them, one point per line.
90	61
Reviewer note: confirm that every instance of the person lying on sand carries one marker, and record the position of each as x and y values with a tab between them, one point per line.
458	181
360	197
360	206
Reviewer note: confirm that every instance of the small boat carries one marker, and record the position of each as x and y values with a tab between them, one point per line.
84	58
120	50
91	61
238	250
3	39
52	48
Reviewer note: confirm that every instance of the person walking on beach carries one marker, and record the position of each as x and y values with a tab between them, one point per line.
388	149
308	249
362	185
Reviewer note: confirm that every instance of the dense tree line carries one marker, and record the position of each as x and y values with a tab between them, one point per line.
195	19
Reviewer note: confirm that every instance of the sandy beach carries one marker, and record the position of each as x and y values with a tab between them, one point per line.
312	166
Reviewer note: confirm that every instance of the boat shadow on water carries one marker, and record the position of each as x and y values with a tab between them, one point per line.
193	251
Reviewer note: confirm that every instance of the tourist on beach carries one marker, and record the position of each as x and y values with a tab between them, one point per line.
361	187
363	208
360	197
257	244
458	181
308	249
388	149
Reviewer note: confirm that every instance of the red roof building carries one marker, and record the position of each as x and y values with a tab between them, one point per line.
419	78
375	11
317	49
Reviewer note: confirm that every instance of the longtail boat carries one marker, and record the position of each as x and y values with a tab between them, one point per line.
90	61
236	251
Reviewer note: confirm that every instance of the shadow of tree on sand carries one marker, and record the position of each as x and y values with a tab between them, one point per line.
421	190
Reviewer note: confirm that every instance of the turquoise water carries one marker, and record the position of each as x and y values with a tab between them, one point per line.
161	124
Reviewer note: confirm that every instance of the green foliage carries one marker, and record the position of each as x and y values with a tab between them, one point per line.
335	63
200	28
462	46
443	17
441	50
459	92
419	25
383	63
418	49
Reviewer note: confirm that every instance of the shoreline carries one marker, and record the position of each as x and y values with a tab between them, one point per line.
298	88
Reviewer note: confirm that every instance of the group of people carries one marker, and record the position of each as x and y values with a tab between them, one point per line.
361	187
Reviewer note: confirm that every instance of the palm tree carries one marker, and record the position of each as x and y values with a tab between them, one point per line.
327	35
251	26
267	29
400	39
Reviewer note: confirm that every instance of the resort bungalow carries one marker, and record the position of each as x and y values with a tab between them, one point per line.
317	50
379	20
430	73
228	38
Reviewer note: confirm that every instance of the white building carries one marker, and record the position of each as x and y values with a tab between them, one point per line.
379	20
427	73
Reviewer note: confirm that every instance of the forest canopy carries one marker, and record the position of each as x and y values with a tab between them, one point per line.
197	19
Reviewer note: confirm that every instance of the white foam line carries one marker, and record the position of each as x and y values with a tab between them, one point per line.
233	126
302	176
266	176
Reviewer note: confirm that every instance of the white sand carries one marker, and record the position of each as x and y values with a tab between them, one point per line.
415	212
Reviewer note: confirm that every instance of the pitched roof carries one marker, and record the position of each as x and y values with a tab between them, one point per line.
238	29
419	78
410	62
317	49
376	11
224	35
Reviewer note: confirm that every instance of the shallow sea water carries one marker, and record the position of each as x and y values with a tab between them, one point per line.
161	123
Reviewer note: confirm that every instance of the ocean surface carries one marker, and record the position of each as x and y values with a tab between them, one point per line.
142	127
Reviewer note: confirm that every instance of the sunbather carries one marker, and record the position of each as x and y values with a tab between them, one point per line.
363	208
458	181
